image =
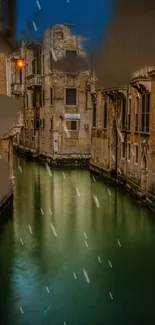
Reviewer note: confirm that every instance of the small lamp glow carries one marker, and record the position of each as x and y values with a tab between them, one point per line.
20	63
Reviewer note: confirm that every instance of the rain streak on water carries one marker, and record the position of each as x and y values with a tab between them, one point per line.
67	258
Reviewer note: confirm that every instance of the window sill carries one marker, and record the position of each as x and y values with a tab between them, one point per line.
71	105
125	131
145	133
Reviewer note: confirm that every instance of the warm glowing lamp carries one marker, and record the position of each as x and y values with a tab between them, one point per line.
20	63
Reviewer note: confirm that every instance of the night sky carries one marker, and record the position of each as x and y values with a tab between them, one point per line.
90	17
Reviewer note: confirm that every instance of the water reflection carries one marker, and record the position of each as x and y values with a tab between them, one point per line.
47	260
6	270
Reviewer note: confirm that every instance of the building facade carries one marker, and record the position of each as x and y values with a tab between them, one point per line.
6	140
56	99
123	137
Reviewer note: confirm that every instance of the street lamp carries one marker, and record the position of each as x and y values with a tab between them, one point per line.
20	63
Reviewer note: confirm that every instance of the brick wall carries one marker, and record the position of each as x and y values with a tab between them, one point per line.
3	88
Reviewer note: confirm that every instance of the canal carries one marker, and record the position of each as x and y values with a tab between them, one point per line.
76	252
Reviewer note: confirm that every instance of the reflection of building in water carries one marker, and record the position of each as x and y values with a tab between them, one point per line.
7	242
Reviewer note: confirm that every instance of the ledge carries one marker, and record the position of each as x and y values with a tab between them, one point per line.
78	160
122	182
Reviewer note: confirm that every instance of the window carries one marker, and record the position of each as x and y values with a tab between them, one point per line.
70	96
145	118
32	124
136	113
136	154
23	101
32	139
38	63
27	101
105	121
124	113
43	61
123	150
94	115
72	125
51	61
43	97
51	96
128	152
26	124
37	124
129	114
40	98
148	112
33	66
51	123
26	69
33	99
143	113
70	54
42	123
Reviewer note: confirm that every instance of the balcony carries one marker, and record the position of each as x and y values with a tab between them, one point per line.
33	81
16	88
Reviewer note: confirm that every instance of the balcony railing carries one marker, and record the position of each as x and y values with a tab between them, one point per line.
34	81
16	88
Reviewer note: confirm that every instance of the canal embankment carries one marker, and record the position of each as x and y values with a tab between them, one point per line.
6	187
74	160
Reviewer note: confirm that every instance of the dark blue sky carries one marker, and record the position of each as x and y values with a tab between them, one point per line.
90	17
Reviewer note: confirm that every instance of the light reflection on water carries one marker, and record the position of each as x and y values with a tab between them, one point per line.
49	261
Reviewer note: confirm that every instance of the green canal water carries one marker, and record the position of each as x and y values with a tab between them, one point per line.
67	257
